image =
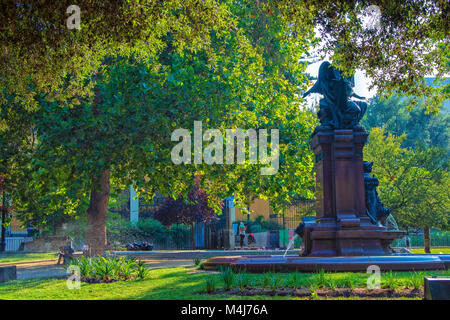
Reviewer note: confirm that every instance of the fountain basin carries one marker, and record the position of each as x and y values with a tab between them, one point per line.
258	264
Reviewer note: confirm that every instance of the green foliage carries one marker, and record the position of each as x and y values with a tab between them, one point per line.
296	280
414	184
142	272
348	282
121	231
242	280
108	268
197	261
249	85
210	284
390	280
59	60
420	127
265	280
228	277
151	228
274	281
107	97
160	286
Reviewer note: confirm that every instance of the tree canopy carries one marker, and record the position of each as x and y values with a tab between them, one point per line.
409	40
395	116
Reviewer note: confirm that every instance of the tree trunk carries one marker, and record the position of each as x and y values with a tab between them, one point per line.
97	211
426	239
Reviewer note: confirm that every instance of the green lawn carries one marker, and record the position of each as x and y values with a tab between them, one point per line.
23	257
433	250
174	283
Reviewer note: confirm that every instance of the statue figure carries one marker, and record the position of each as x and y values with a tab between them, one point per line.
374	207
336	109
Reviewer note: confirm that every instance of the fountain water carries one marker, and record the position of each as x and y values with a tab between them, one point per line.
291	244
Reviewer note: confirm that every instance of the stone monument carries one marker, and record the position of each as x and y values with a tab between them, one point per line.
347	202
348	233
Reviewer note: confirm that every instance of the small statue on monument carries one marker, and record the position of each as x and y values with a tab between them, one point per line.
336	109
374	207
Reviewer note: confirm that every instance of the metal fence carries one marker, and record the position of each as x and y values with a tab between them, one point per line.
417	240
13	243
289	219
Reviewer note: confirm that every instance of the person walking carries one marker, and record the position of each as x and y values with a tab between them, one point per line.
242	229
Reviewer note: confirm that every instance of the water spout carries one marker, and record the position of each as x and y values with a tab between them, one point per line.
291	244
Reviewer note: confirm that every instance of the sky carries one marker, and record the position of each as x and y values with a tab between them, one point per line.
361	81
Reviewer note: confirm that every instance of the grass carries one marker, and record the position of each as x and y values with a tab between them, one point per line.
25	257
433	250
187	282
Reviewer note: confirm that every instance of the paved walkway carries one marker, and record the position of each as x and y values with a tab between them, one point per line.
40	271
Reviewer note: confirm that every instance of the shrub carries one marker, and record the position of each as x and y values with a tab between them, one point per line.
110	268
141	270
197	261
151	228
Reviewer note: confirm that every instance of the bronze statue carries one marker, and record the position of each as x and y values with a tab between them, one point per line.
336	109
374	207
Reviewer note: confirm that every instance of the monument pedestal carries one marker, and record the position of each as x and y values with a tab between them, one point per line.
343	238
342	227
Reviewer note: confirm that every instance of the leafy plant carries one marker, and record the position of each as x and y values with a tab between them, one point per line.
417	280
141	270
321	279
227	277
210	284
391	280
274	281
107	268
242	280
197	261
348	282
266	279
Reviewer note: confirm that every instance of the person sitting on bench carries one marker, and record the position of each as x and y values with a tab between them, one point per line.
66	253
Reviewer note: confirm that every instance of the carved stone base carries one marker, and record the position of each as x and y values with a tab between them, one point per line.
342	227
328	240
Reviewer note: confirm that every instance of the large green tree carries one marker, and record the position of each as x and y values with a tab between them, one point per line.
122	134
414	184
420	127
